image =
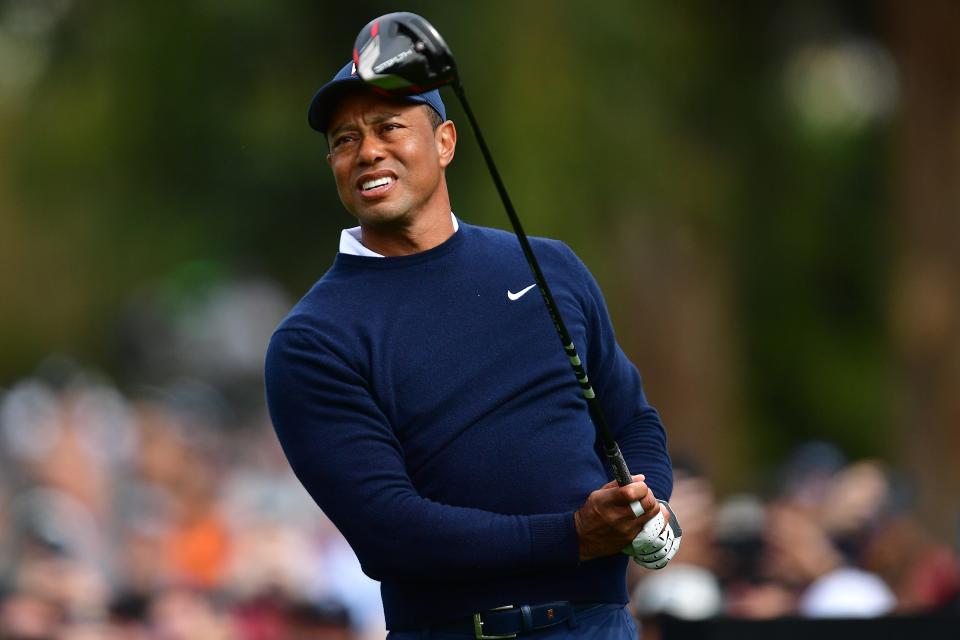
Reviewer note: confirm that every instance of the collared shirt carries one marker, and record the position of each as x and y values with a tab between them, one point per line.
350	241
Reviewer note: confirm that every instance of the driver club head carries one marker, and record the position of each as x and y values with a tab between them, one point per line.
402	54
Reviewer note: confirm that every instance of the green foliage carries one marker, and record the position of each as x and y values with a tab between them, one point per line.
168	133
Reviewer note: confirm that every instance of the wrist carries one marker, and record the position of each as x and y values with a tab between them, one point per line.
578	527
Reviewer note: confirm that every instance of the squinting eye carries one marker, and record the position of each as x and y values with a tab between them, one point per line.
341	140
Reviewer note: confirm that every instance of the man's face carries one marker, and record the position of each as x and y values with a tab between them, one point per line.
387	159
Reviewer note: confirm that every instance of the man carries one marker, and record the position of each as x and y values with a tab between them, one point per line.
422	399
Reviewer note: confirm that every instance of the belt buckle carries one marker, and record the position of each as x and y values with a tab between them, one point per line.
478	627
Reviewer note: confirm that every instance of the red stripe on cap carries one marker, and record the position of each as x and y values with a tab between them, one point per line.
375	29
356	60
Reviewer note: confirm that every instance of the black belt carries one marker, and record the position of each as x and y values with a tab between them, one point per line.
511	621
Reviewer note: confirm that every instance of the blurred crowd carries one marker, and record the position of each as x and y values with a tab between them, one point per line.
829	538
169	512
163	507
155	516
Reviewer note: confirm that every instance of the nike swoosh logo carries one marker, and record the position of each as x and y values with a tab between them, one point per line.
519	294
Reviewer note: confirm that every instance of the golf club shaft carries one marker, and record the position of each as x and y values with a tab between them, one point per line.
612	451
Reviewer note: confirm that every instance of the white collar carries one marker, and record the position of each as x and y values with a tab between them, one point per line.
351	245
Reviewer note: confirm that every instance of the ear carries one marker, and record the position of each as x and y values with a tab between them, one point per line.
446	139
329	160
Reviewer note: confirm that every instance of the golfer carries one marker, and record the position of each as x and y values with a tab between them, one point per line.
421	398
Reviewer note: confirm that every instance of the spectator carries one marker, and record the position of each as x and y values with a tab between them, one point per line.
167	516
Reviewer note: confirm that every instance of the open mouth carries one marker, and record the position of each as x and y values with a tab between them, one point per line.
373	184
376	186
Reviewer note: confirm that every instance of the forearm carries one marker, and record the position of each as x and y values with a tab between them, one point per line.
635	424
644	447
398	534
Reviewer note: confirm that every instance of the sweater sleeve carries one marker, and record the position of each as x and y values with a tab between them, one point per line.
345	453
635	424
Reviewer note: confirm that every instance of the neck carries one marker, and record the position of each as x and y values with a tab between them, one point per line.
412	235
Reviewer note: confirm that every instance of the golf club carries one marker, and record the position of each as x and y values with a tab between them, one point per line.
403	54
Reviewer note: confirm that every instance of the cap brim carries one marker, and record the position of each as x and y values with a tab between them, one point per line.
326	99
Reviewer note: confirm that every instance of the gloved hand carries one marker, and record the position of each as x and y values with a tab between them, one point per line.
658	541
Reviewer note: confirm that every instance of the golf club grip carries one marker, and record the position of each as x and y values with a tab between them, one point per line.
622	474
618	464
620	470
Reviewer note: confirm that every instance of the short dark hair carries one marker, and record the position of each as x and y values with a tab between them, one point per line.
435	119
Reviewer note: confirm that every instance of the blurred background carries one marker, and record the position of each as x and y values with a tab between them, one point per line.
766	191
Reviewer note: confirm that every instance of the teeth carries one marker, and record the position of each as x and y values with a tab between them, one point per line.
379	182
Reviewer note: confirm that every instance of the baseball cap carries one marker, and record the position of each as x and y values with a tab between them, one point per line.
346	80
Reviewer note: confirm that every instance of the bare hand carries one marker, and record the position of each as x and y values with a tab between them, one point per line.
606	524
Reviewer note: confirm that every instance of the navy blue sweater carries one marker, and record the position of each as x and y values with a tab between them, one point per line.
439	425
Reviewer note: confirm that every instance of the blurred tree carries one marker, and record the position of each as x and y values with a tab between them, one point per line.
926	308
810	238
721	168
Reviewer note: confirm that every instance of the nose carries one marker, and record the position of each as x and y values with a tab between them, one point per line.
371	150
